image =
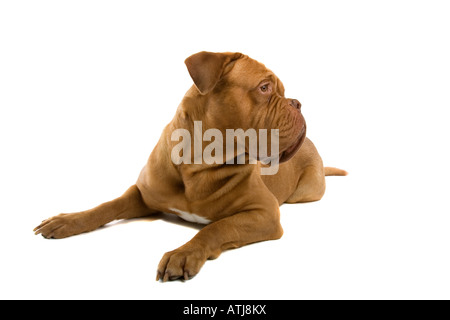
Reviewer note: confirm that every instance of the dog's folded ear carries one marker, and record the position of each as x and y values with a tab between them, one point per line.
206	68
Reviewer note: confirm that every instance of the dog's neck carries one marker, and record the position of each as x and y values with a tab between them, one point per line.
202	180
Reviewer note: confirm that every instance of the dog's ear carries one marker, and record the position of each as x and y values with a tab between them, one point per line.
206	68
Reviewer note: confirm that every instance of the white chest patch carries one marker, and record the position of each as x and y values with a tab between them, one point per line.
191	217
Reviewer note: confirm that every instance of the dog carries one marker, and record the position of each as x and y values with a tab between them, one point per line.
236	202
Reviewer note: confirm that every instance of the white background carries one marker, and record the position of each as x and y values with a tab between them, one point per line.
86	88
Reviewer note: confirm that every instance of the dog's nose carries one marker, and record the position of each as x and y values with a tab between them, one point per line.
295	103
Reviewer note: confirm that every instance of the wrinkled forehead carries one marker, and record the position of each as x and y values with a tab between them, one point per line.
250	73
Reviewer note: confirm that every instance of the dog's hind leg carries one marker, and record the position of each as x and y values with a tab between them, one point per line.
311	186
129	205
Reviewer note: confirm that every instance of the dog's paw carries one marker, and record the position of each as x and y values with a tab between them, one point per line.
60	226
184	262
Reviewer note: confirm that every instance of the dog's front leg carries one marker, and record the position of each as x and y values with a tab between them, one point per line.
129	205
231	232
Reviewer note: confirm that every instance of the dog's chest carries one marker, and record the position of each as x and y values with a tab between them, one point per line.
191	217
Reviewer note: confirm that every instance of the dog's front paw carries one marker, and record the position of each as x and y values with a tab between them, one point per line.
60	226
184	262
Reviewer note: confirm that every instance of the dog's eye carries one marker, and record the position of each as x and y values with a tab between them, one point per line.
264	88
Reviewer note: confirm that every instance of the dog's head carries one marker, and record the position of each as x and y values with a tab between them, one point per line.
242	93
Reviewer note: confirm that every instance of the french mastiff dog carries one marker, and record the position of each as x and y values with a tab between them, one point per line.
236	203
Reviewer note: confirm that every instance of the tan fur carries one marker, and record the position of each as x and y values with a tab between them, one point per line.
242	205
330	171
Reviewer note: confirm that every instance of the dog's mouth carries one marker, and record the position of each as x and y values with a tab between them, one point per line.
292	150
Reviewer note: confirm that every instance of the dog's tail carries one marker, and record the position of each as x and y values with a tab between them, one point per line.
330	171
